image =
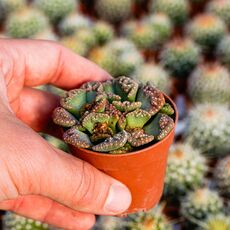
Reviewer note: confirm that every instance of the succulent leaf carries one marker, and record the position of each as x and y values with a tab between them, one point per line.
138	138
113	97
160	126
126	88
125	149
96	137
112	143
167	109
137	119
122	123
126	106
74	100
92	119
63	118
151	98
77	138
108	86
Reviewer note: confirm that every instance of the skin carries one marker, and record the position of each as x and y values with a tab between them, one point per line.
36	179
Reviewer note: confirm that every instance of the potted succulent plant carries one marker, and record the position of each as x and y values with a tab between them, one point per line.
124	129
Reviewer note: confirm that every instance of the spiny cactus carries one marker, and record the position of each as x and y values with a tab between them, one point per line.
76	46
116	116
207	30
46	34
109	223
156	75
221	8
180	57
222	176
26	23
185	170
162	24
223	51
74	22
153	219
13	221
216	222
10	6
177	10
118	57
200	204
114	10
209	83
208	129
56	9
103	32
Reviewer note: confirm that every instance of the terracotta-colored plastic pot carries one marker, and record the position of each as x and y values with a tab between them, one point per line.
141	171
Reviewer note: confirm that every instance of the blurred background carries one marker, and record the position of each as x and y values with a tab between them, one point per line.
181	46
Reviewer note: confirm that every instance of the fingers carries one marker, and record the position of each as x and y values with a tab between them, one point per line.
48	211
35	167
32	63
34	107
82	187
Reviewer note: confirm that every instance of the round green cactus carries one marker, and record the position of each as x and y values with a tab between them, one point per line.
103	32
109	222
153	219
208	129
73	22
114	10
118	57
223	50
221	8
200	204
222	176
13	221
180	57
162	24
216	222
185	170
207	30
156	75
209	83
10	6
46	34
116	116
56	9
76	46
177	10
25	23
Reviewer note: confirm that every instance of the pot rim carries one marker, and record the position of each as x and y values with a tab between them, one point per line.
141	150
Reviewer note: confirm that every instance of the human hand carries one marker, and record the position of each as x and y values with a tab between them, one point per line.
38	180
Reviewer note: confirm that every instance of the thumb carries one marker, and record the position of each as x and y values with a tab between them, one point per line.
82	187
37	168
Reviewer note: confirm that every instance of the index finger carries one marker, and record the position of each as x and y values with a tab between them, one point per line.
42	62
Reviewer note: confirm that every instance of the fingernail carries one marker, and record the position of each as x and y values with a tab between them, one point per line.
118	200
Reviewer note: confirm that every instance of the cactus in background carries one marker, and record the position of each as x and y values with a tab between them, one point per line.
111	116
56	9
10	6
153	219
26	23
221	8
207	30
180	57
46	34
73	22
76	46
103	32
156	75
222	176
13	221
109	223
162	24
200	204
216	222
177	10
118	57
185	170
208	129
209	83
223	51
114	10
